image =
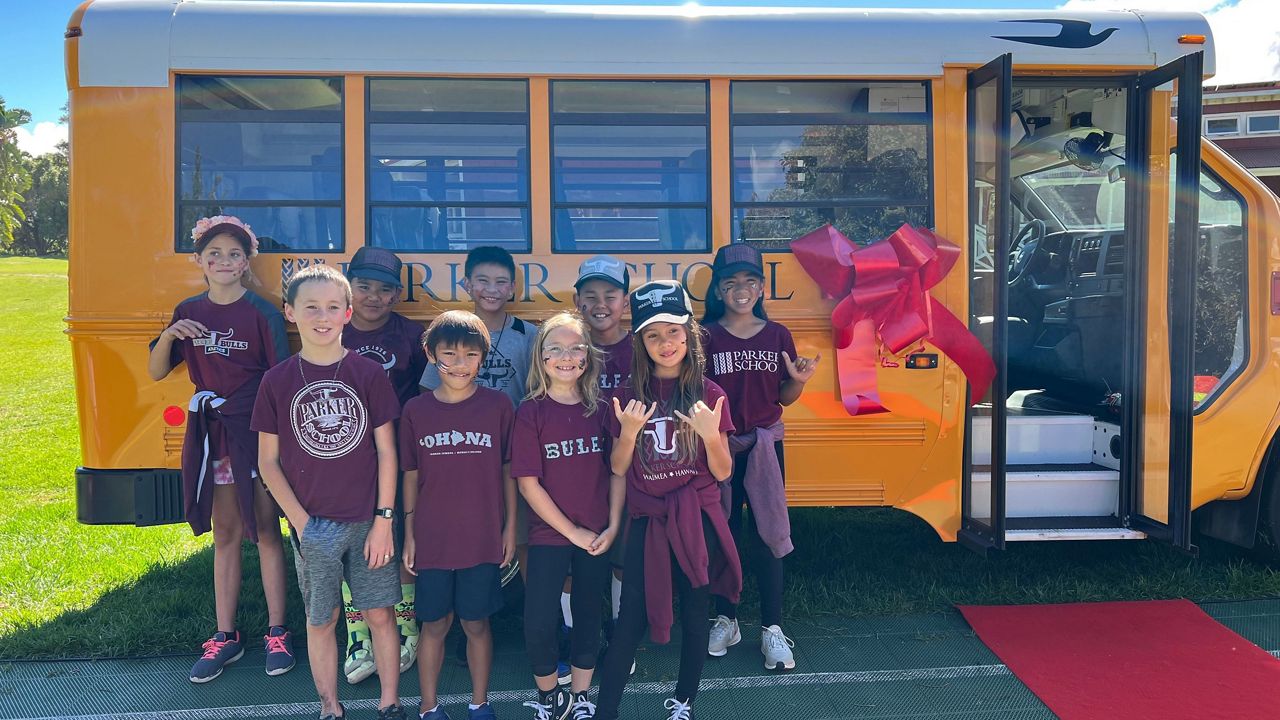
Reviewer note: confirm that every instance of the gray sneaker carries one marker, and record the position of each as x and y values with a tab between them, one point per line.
777	649
724	635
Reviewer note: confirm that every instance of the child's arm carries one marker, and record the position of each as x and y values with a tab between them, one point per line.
379	545
801	370
706	423
632	420
273	476
509	528
159	363
410	490
541	503
617	496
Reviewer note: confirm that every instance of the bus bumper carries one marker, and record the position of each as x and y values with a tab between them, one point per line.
128	497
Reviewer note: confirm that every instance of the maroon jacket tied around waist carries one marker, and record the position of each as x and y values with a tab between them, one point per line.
675	528
231	415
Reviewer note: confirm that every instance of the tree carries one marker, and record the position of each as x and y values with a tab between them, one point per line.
14	179
43	231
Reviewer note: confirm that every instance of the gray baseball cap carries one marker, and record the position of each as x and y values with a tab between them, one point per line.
604	267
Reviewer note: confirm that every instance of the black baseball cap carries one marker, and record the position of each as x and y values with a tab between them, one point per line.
375	263
735	258
659	301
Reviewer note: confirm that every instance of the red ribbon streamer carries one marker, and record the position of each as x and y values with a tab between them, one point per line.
883	292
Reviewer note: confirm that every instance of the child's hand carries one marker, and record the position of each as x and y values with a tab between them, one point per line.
704	420
603	541
803	368
378	545
185	329
633	417
410	552
583	538
508	544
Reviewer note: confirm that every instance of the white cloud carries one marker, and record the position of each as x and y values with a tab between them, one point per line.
43	139
1246	33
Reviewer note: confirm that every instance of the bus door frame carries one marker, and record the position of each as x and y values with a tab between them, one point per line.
1176	528
985	532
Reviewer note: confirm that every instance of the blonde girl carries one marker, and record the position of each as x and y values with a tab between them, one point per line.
559	456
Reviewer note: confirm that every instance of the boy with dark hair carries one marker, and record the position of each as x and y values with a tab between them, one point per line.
327	415
393	341
460	503
490	280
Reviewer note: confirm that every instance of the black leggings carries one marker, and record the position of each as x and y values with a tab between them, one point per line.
633	620
549	565
756	557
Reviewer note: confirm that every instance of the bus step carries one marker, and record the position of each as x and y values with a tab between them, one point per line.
1052	490
1037	437
1047	534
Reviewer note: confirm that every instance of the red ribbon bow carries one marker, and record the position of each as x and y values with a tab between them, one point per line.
883	291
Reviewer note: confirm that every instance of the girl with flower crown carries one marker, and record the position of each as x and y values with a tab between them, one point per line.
228	337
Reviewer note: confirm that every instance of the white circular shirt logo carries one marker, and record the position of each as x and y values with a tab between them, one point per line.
328	418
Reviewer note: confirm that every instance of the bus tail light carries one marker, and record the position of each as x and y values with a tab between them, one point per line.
174	416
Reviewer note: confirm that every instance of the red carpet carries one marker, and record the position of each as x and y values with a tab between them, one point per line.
1163	660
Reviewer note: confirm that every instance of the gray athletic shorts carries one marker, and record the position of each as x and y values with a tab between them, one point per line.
330	552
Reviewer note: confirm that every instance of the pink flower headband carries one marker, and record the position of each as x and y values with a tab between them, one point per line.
203	225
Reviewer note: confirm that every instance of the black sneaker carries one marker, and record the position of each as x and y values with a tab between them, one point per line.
330	716
582	708
279	646
391	712
219	651
679	710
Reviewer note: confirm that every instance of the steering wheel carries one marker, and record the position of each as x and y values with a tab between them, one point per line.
1023	248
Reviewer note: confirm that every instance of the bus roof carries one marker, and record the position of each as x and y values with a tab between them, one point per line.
138	43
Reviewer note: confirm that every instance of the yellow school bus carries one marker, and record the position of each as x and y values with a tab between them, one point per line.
1119	270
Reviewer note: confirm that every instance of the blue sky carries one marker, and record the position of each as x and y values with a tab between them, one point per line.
31	42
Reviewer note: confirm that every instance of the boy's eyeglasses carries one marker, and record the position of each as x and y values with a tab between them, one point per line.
573	352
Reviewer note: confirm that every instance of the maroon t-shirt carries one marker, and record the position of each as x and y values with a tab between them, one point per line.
325	425
568	453
751	372
245	338
655	466
397	347
617	365
458	450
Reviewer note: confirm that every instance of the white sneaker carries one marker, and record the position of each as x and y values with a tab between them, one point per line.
359	664
724	635
408	651
777	649
679	710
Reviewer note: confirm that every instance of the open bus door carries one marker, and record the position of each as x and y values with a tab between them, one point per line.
990	90
1158	404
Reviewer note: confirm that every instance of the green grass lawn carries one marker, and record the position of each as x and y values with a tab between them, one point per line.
69	590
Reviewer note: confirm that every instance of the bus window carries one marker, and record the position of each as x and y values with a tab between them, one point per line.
629	166
267	150
1221	337
853	154
448	164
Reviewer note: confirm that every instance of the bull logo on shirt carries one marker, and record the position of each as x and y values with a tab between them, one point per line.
328	419
219	342
661	432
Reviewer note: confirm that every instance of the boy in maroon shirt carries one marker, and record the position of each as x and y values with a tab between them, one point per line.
600	294
459	499
393	341
326	450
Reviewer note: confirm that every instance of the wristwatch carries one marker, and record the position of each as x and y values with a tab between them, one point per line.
384	512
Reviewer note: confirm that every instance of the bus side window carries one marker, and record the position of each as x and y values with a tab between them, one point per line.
1221	318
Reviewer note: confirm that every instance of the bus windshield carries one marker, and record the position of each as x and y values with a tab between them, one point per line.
1078	198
